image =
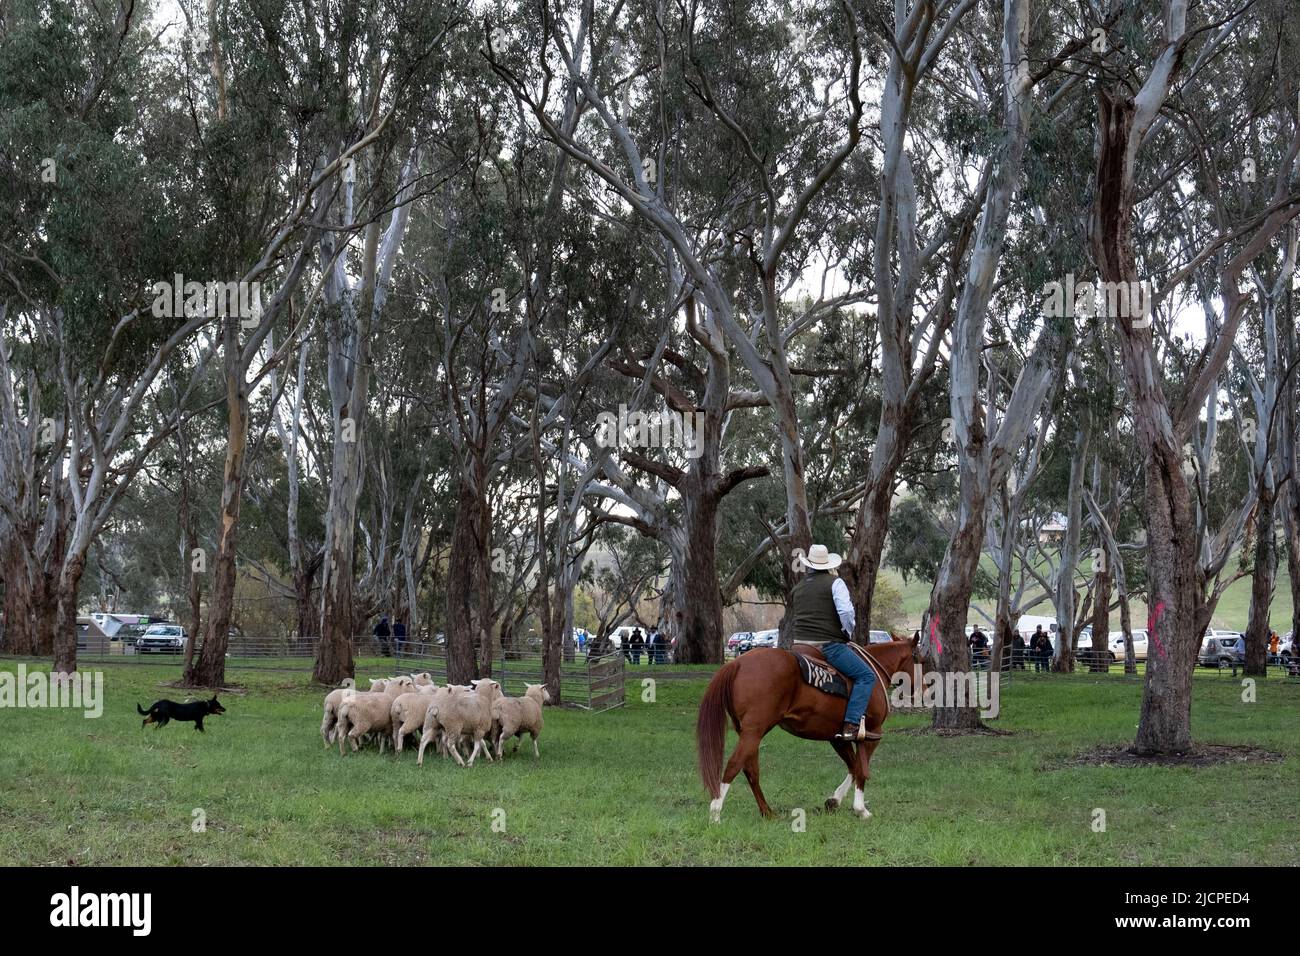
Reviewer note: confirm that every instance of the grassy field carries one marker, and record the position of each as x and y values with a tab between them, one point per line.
1231	612
620	787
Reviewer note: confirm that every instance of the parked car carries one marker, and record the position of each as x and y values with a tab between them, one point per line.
1139	645
759	639
162	639
880	637
1286	649
1220	649
733	642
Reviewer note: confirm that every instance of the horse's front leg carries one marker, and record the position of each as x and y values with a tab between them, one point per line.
845	751
861	774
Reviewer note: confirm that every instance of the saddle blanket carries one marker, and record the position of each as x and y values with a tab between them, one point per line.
818	674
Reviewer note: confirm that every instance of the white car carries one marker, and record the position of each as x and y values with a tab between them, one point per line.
880	637
162	639
1139	645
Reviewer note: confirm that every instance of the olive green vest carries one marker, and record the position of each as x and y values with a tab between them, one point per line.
813	608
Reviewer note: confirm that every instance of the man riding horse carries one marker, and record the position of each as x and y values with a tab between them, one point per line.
822	612
794	690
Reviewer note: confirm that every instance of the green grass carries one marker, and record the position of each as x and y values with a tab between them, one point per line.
621	787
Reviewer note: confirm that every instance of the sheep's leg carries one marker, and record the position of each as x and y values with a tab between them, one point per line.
500	737
426	738
536	752
455	751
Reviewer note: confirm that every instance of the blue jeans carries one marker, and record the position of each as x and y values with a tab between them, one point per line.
848	663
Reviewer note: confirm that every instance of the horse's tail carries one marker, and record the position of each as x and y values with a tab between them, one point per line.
711	727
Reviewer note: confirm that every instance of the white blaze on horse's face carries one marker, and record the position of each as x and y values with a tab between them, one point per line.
715	806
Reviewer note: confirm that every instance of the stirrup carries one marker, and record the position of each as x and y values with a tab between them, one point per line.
863	733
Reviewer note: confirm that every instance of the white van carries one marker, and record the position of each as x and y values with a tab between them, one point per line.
1139	645
1029	623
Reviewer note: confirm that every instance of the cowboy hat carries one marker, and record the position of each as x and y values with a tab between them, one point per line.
819	559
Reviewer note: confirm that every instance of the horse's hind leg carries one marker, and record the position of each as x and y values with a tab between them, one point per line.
845	751
744	757
751	774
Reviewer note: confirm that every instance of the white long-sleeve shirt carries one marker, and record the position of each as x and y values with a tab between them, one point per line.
843	606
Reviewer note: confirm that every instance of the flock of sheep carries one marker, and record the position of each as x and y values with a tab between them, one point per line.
446	717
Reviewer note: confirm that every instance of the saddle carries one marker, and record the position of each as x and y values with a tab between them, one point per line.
816	672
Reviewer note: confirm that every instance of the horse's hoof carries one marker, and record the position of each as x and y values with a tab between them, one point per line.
831	805
864	813
715	816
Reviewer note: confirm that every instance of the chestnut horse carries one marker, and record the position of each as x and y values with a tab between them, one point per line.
763	688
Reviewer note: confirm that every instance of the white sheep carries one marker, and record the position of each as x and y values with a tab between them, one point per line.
516	716
369	712
408	711
332	701
468	715
432	730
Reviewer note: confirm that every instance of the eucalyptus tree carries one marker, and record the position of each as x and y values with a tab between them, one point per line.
93	115
368	47
986	437
1131	129
916	254
737	257
245	89
1266	390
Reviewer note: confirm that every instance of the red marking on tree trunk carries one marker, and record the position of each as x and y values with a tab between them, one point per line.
934	634
1152	620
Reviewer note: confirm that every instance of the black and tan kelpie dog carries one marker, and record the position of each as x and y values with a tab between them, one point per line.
165	710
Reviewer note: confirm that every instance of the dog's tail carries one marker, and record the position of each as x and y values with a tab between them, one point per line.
142	713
